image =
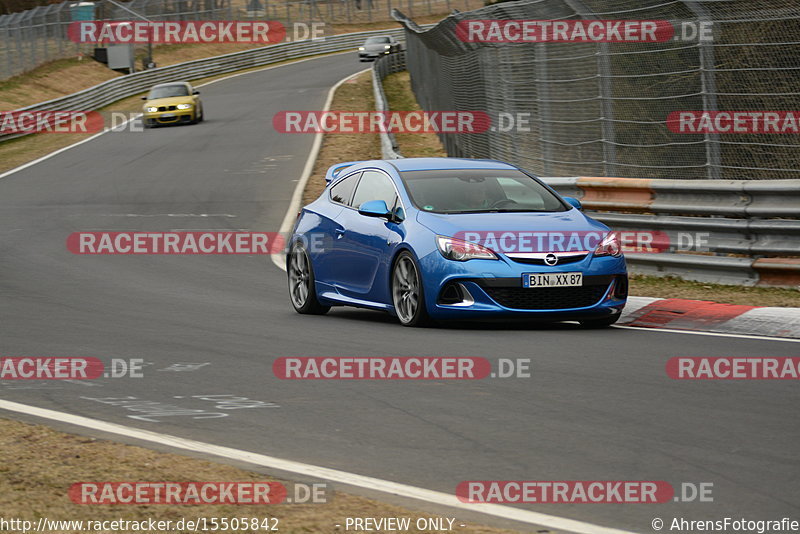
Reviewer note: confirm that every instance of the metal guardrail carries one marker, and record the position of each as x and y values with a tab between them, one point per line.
742	244
116	89
381	68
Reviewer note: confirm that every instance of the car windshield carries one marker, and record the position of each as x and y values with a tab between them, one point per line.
168	91
478	191
377	40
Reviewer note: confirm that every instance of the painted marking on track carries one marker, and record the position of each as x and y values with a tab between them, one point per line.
333	475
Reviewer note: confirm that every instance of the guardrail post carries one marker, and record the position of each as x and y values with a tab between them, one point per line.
708	87
543	92
606	93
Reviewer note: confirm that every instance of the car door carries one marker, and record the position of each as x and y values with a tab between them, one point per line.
363	246
325	246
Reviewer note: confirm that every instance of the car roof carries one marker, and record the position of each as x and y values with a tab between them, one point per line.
426	164
170	84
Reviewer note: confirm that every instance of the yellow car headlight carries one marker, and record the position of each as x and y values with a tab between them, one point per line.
184	106
152	109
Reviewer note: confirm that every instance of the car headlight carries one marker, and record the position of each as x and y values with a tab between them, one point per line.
184	106
458	250
152	109
609	246
361	48
387	46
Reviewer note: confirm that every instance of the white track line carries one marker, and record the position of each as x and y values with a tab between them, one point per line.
279	259
342	477
698	333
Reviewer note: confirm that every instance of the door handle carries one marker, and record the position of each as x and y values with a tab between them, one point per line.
339	233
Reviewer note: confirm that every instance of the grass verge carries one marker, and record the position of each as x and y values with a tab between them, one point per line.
353	95
400	97
675	288
40	464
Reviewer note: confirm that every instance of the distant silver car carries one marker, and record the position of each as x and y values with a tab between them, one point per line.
377	46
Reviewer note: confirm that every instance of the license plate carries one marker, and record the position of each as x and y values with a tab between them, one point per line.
536	280
168	116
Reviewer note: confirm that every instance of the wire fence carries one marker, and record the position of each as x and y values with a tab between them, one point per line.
601	109
33	37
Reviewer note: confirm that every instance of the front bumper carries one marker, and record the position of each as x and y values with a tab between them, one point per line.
371	56
493	288
182	116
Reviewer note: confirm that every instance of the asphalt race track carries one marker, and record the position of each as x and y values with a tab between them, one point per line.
598	406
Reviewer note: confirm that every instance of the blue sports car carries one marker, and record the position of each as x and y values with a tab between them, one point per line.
444	238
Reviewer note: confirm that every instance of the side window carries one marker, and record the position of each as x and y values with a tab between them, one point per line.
343	190
374	185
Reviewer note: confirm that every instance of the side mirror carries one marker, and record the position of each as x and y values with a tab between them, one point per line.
144	97
574	202
375	208
195	92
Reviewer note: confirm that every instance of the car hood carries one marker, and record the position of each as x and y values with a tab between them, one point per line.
563	221
171	101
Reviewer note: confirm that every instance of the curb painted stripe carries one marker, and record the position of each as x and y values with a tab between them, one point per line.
385	486
690	314
700	315
766	321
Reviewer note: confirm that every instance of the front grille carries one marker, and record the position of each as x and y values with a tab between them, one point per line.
540	261
167	108
547	298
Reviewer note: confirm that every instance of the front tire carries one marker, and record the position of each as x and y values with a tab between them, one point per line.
408	295
302	288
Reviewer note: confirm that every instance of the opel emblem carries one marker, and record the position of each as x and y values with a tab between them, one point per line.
551	259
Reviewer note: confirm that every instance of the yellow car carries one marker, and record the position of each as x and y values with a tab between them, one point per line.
172	103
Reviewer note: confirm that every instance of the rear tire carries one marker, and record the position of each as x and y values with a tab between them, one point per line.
302	288
601	323
408	295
